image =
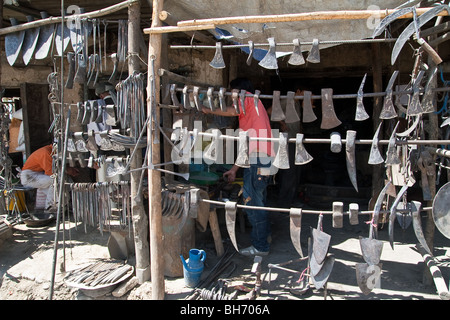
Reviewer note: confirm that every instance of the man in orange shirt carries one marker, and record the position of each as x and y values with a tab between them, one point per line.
37	173
257	177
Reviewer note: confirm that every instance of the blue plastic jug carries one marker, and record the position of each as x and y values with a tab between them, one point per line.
193	267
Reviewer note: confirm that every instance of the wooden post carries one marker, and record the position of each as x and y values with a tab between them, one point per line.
154	176
140	220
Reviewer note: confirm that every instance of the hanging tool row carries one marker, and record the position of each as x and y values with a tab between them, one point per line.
92	204
131	106
84	67
96	111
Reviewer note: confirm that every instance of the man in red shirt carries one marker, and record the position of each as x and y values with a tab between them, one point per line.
37	173
256	178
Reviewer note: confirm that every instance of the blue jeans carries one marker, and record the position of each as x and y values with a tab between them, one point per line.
255	193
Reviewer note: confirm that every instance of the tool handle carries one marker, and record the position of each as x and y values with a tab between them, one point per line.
431	52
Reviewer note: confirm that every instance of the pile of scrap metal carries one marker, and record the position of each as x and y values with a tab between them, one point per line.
100	277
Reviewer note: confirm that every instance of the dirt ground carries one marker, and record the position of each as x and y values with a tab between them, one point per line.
26	264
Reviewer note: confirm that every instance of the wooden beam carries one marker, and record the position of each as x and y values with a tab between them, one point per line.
154	176
51	20
177	28
304	16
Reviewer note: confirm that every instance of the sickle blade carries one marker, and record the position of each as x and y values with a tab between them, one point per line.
387	20
416	206
411	29
361	113
375	156
393	214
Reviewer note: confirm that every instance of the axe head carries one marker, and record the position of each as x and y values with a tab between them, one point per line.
217	62
281	160
308	112
391	154
429	97
291	112
314	54
270	59
296	57
388	110
329	118
414	107
277	112
301	155
361	113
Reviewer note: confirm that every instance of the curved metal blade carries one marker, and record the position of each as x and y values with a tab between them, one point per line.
361	113
29	42
321	278
387	20
393	215
408	131
391	154
388	110
441	210
416	206
375	156
230	218
411	29
295	228
350	157
321	242
13	44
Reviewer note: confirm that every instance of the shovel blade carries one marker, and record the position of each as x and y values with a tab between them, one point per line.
321	242
321	278
368	276
371	250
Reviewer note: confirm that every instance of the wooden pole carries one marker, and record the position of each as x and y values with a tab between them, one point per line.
51	20
154	176
304	16
140	220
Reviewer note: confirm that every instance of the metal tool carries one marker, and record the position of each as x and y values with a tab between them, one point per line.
425	164
321	242
230	218
291	112
371	248
416	207
314	53
429	97
13	43
295	227
335	142
29	42
353	209
414	107
308	112
71	73
80	75
296	57
375	156
217	62
209	95
281	160
80	112
411	128
222	103
277	112
329	118
251	47
388	110
45	39
391	154
301	155
440	210
338	214
195	92
242	94
368	276
388	19
86	113
361	114
270	59
256	100
393	214
350	157
213	151
413	28
115	60
242	159
62	38
321	278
